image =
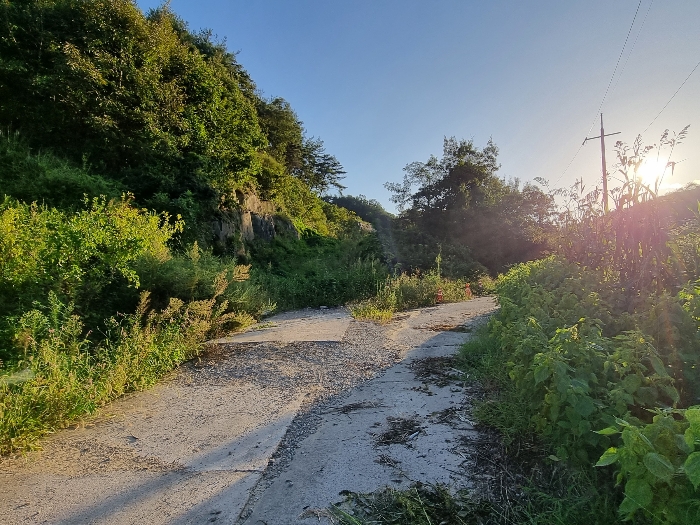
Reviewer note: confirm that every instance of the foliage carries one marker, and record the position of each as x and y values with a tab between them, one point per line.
44	178
101	81
83	257
633	243
403	292
660	464
317	270
153	107
193	276
458	205
71	376
590	377
302	157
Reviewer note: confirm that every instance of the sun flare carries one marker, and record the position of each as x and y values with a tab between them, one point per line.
651	170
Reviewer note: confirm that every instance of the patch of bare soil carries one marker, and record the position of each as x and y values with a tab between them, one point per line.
461	328
80	457
401	431
440	371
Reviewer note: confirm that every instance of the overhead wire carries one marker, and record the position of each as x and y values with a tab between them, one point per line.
624	66
670	99
606	91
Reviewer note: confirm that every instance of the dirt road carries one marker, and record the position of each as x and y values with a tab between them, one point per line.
266	428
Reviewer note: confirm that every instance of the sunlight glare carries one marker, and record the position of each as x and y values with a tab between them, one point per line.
651	170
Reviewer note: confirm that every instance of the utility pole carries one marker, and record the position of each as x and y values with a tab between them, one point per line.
602	155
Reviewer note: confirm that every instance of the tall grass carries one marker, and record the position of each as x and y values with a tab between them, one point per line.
78	324
321	285
403	292
71	376
317	271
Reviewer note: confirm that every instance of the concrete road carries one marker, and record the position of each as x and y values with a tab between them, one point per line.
404	426
226	439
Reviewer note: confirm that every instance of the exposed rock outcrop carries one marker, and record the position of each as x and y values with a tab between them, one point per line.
253	219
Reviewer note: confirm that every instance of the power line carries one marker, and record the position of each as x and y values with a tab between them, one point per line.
624	66
616	65
606	92
670	99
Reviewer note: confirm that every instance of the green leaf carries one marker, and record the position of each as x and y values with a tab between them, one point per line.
693	415
609	457
691	467
561	369
639	492
658	366
609	431
584	406
671	392
584	429
689	437
627	507
659	465
631	383
542	372
682	444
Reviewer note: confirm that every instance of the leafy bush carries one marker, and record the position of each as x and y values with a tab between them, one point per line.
47	180
315	270
403	292
586	374
192	276
660	464
71	376
86	258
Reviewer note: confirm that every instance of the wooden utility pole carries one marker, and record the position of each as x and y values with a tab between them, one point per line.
602	155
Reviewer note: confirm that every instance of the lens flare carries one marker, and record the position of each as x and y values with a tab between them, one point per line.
652	171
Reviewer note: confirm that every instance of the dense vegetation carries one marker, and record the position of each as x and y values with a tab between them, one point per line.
458	206
596	352
589	369
147	105
125	136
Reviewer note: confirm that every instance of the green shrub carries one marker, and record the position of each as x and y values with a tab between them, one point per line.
87	258
47	180
71	376
660	465
588	376
192	276
403	292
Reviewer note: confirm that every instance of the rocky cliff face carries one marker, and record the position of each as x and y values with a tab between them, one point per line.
254	219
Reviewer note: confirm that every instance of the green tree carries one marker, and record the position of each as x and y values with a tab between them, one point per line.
319	170
139	98
459	205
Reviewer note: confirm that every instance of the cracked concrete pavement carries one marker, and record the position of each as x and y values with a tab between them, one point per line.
266	428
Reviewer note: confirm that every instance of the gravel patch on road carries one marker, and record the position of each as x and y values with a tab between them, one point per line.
325	371
365	353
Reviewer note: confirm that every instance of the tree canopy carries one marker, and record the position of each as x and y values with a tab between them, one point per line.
458	205
166	112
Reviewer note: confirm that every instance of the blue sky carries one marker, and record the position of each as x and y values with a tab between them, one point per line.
383	81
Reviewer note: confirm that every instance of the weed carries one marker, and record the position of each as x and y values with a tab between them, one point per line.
419	505
403	292
73	377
